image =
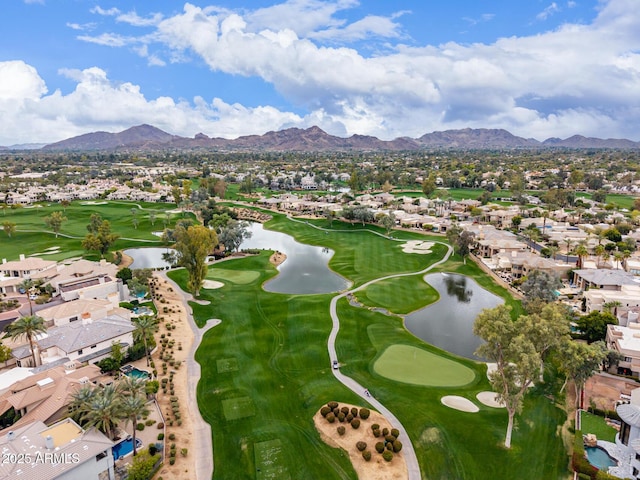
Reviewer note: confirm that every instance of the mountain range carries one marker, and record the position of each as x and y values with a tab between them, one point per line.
150	138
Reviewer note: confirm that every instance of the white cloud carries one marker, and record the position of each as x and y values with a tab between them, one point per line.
110	12
81	26
30	2
549	11
97	103
132	18
19	81
575	79
109	39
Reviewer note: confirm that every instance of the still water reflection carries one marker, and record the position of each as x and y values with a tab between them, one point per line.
306	269
448	323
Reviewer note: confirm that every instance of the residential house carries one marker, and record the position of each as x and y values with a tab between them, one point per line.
45	396
603	279
63	451
85	340
13	273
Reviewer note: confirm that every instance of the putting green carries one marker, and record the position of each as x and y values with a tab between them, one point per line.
240	407
241	277
407	364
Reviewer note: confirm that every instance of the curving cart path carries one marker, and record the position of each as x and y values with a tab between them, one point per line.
203	442
409	453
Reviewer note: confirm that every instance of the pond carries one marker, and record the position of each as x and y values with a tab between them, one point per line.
306	269
150	257
448	323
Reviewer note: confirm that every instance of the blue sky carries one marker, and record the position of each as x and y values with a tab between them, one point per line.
228	68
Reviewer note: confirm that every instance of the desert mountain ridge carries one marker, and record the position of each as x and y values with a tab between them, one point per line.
147	137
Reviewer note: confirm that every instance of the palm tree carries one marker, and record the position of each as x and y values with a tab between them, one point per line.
145	328
104	410
617	257
130	386
27	284
581	251
132	407
80	401
28	327
599	251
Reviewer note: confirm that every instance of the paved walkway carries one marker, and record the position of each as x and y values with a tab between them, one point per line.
201	429
409	452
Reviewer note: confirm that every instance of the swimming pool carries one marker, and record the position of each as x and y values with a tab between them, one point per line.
125	447
134	372
599	458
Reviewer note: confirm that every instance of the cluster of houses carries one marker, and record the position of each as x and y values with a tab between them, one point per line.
83	320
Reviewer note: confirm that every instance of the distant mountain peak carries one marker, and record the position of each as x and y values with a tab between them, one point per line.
148	137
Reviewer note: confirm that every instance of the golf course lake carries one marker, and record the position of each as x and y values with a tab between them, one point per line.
306	269
448	323
150	257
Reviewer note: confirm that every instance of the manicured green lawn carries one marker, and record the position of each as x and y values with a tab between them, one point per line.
241	277
33	236
409	364
270	351
595	424
400	295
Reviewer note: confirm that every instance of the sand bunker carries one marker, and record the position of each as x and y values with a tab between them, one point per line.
417	246
459	403
489	399
212	284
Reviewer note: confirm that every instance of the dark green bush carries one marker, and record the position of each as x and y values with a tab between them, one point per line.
349	417
375	426
345	410
397	446
385	432
361	445
366	455
354	412
376	433
341	430
341	417
355	423
364	413
331	417
379	447
387	455
140	426
395	432
324	411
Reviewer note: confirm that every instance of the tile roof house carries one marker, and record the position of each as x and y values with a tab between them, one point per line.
82	340
63	451
45	396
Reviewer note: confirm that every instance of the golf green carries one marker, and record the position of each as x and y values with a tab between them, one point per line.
241	277
407	364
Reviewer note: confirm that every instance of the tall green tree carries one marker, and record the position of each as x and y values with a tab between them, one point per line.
103	410
145	327
579	361
193	245
539	288
517	361
27	285
133	407
28	327
55	221
593	326
9	228
100	237
547	330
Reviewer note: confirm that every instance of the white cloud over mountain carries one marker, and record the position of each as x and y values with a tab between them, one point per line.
579	78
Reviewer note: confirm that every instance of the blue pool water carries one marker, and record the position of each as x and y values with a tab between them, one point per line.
137	373
125	448
600	458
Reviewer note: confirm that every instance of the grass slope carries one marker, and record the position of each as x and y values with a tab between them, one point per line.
32	231
269	356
